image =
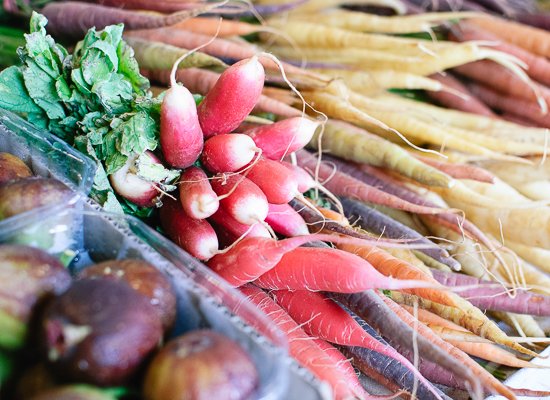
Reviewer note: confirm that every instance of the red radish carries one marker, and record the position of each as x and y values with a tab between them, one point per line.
304	349
275	180
286	221
181	137
323	318
233	229
130	186
232	98
245	201
330	270
283	137
304	179
228	152
196	236
197	198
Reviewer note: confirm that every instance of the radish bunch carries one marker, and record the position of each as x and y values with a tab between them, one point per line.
241	188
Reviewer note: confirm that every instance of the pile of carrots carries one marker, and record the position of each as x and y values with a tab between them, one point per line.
374	229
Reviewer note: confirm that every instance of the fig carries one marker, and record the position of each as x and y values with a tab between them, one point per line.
27	276
34	380
144	278
12	168
75	392
201	364
99	331
23	195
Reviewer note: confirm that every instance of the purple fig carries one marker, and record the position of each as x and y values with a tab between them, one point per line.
12	168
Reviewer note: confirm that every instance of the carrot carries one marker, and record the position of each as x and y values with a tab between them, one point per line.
538	67
534	255
72	19
333	215
228	152
531	39
209	26
165	6
491	298
344	185
377	314
523	108
458	170
373	221
487	380
525	325
302	347
478	324
467	102
232	97
283	137
285	221
196	195
358	145
157	55
325	319
193	235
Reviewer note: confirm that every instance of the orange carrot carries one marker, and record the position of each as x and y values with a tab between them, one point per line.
467	103
539	67
209	26
522	108
535	40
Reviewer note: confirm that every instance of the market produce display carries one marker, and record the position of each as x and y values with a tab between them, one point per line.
372	176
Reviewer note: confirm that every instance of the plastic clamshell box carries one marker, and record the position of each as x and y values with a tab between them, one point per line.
204	300
46	155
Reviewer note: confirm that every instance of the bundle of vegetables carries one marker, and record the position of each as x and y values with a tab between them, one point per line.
232	189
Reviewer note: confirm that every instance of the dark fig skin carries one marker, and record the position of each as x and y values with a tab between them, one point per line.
145	279
26	194
201	365
12	168
28	276
74	392
34	380
99	331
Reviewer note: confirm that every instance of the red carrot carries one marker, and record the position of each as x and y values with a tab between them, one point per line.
303	348
196	236
285	221
228	152
232	98
283	137
243	199
325	319
196	195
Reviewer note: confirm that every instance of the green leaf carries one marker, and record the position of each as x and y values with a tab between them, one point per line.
41	87
114	93
13	94
149	170
114	162
128	66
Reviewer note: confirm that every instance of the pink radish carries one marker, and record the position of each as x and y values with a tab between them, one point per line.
232	98
133	188
331	270
228	152
233	229
305	350
245	201
196	236
304	179
286	221
283	137
323	318
197	198
275	180
181	137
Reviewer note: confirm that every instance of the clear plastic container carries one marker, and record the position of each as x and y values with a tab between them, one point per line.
46	155
204	300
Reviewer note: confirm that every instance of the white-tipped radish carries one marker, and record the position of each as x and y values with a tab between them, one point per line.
304	179
241	198
228	152
283	137
196	236
133	188
286	221
197	198
232	98
275	180
233	229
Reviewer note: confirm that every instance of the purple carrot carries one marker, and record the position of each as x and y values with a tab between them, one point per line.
369	306
72	19
541	20
494	298
375	222
158	5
